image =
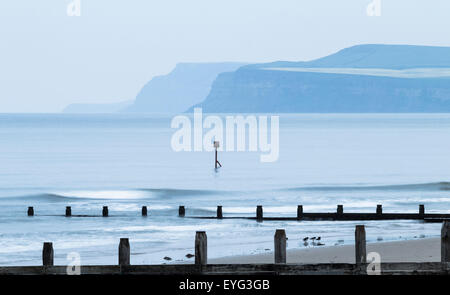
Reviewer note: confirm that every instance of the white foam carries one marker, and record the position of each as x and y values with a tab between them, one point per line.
107	195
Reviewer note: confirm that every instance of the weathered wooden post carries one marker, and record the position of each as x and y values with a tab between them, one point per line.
105	212
259	213
47	254
201	248
124	252
144	210
299	211
30	211
379	209
280	246
340	209
216	146
181	211
360	244
68	211
421	209
445	242
219	212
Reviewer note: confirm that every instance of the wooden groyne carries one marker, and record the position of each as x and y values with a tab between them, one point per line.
431	268
338	215
279	267
301	215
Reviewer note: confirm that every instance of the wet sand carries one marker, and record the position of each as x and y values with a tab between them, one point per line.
421	250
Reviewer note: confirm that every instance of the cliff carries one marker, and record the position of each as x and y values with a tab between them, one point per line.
187	84
367	78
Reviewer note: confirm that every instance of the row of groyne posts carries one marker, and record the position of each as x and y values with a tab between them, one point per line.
279	266
301	215
201	248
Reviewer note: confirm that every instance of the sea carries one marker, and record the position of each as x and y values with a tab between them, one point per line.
126	161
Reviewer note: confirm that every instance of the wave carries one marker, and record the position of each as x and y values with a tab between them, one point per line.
167	193
137	194
432	186
170	192
77	195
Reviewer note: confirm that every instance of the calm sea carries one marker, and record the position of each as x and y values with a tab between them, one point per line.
51	161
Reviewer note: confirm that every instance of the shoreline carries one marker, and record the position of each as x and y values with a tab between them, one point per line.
421	250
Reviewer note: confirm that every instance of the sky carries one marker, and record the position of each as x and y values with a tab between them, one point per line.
49	59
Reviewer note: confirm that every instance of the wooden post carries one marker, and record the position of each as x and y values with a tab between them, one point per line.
421	209
47	254
201	248
360	244
340	209
68	211
144	210
215	162
124	252
105	212
445	242
280	246
219	212
30	211
299	211
259	213
181	211
379	209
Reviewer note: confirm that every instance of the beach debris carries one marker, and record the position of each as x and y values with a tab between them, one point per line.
167	258
189	255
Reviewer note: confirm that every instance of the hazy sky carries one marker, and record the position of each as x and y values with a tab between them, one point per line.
49	59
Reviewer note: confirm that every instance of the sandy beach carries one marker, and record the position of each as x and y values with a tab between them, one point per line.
421	250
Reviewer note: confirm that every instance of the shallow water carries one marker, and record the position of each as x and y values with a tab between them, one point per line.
126	161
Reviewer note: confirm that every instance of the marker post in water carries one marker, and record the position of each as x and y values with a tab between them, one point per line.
216	146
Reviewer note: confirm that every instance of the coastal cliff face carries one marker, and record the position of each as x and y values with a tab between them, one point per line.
275	91
371	78
187	84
